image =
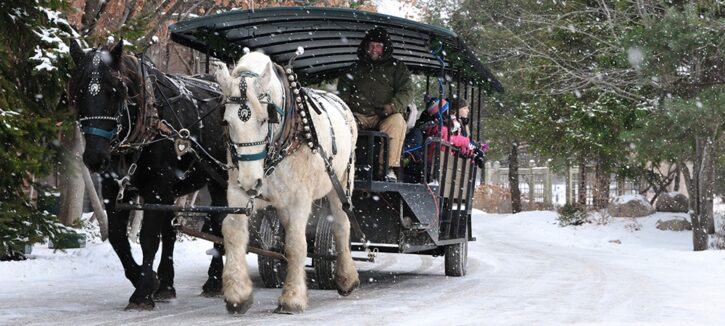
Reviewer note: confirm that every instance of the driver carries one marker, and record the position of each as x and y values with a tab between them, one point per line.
378	89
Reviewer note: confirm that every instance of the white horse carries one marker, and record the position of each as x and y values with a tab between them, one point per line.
258	104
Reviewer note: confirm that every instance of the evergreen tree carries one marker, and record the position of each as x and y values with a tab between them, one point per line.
682	66
33	75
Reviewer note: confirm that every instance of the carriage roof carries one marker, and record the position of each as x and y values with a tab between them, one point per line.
330	37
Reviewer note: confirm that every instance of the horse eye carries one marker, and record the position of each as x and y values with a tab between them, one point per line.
263	122
225	123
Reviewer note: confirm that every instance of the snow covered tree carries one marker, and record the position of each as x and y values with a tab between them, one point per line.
558	59
584	62
32	79
681	60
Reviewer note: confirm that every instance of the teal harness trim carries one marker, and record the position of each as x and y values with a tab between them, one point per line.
100	132
236	157
249	157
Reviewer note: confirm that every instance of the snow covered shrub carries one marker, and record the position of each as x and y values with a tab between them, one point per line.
572	214
633	226
600	217
22	224
718	239
492	199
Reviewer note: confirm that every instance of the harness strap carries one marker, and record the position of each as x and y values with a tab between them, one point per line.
146	115
329	121
100	132
248	157
212	172
346	206
126	180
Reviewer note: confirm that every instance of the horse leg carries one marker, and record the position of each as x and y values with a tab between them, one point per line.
117	224
166	273
294	293
213	285
148	283
346	276
237	285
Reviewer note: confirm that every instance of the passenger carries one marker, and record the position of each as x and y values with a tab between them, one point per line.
412	161
464	119
378	89
460	115
439	126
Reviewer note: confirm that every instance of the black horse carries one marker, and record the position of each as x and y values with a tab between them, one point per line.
151	135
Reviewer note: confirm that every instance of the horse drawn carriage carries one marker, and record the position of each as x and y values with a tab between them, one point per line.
136	119
431	216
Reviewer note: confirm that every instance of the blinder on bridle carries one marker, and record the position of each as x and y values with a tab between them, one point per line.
94	88
245	113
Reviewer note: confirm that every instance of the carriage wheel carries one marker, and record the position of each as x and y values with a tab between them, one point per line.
456	259
324	251
273	271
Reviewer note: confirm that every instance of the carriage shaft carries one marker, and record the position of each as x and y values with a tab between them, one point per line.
174	208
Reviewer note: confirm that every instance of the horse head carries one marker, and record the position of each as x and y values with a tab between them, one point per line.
98	90
253	95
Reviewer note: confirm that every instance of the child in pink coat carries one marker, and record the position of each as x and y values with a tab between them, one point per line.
439	125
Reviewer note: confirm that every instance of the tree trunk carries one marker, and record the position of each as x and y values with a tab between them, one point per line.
128	12
514	178
601	187
91	12
696	187
678	172
71	183
569	186
582	183
709	190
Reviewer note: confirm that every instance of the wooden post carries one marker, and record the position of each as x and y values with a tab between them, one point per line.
547	185
569	186
582	184
532	184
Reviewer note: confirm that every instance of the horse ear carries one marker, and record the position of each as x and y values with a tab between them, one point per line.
267	74
76	52
116	54
272	113
222	76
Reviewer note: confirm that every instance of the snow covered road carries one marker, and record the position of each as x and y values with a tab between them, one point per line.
522	270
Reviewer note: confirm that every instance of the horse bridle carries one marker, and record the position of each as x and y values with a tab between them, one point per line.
93	90
244	114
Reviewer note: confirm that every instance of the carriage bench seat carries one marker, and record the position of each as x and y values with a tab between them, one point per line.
370	145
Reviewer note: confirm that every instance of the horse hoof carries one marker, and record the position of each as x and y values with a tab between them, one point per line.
287	310
165	294
239	308
209	294
212	288
141	306
347	292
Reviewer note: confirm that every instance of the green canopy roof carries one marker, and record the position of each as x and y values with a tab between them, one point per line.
330	37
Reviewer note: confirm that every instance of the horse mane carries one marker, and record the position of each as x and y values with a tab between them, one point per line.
251	61
127	75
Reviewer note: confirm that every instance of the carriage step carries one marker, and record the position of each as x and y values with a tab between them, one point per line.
370	259
419	226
